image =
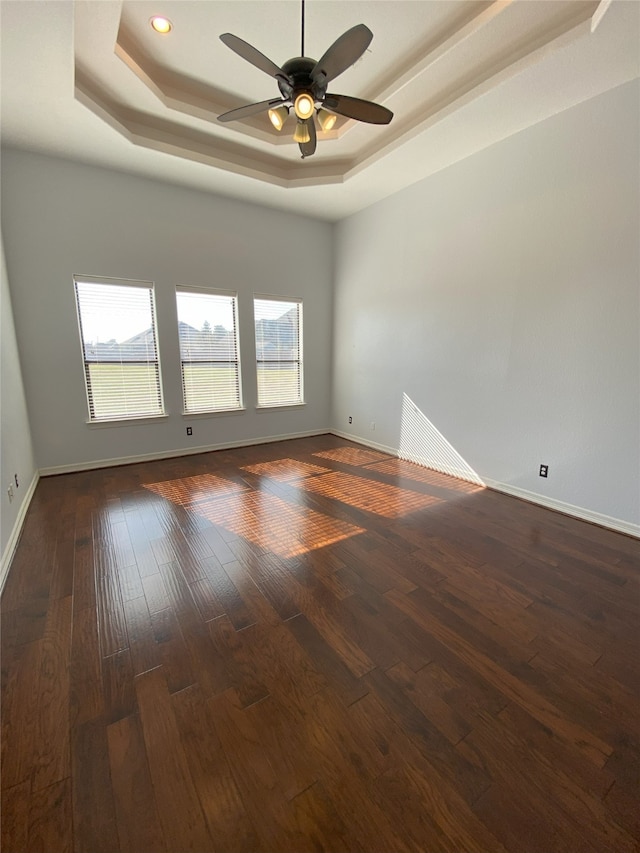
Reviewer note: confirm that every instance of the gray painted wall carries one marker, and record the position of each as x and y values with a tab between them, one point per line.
487	317
61	219
16	451
501	296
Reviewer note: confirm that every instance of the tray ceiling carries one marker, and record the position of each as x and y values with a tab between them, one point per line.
93	81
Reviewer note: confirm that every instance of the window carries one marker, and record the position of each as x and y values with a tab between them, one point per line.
208	332
118	335
279	351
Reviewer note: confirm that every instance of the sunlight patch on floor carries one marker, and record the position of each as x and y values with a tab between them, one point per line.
420	474
275	525
284	469
369	495
186	491
351	455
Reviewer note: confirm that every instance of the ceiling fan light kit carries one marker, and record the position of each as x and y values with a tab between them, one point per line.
303	85
278	116
304	106
301	134
327	120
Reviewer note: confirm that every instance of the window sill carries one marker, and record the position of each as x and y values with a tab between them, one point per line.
123	422
214	413
280	406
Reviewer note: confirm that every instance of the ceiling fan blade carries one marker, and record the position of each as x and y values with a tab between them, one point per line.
345	50
250	110
251	54
357	109
308	148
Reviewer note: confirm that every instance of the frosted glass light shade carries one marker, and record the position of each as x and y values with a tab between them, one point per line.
327	120
304	105
301	133
278	117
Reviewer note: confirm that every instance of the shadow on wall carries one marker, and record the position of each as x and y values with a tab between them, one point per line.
422	443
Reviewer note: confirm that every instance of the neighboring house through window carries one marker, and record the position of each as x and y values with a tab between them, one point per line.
119	345
209	351
278	325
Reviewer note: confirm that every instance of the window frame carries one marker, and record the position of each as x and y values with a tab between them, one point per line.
205	291
120	417
283	403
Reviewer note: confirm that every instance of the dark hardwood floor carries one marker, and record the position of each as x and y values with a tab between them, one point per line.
309	645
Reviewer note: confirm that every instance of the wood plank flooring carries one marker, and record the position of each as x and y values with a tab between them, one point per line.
310	646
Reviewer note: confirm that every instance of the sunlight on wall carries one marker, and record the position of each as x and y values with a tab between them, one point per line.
422	443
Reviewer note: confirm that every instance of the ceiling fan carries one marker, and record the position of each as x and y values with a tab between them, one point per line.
303	85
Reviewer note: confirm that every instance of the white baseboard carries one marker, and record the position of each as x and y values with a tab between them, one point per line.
599	518
172	454
9	551
366	443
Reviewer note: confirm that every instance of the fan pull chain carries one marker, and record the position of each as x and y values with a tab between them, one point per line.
302	39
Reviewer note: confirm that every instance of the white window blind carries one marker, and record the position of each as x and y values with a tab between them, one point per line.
278	324
119	346
209	352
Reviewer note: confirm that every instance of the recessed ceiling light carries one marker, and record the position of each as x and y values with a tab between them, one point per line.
160	24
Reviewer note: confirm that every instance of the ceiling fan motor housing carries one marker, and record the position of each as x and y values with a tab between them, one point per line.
298	72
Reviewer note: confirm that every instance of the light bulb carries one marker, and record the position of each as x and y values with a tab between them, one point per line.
160	24
304	105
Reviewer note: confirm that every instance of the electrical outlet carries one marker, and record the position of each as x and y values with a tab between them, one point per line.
350	419
189	430
373	424
544	470
10	493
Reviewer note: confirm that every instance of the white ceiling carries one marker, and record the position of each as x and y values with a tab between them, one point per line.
89	80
